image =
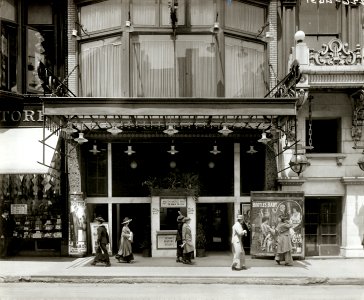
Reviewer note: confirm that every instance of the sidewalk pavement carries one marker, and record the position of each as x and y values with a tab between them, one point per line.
215	268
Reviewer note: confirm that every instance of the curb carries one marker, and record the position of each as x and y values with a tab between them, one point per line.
189	280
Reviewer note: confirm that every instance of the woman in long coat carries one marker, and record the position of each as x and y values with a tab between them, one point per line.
187	243
284	246
125	252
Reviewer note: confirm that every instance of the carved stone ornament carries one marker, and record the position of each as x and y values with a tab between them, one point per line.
335	53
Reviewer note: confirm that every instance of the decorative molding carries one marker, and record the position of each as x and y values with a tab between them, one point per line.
338	156
352	180
331	79
291	181
335	53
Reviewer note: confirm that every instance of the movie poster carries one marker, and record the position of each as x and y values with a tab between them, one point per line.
266	208
77	225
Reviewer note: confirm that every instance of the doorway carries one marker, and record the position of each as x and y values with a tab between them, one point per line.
216	220
140	225
322	226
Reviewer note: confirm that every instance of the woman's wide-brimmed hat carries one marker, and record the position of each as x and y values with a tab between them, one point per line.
185	219
100	219
240	217
126	220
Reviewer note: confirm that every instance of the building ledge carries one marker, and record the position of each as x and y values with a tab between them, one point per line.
315	156
352	180
291	181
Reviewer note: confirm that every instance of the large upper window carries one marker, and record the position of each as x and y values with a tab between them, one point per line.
163	67
100	65
244	68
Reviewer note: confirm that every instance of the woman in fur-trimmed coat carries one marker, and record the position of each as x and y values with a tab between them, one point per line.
187	243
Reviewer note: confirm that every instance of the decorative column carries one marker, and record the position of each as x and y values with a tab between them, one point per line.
77	206
352	226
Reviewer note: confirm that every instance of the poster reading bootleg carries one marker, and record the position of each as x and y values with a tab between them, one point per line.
266	209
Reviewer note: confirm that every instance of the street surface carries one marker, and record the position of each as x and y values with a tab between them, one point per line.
71	291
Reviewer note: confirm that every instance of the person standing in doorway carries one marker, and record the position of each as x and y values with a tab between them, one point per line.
179	238
6	233
187	243
284	246
102	241
237	244
125	253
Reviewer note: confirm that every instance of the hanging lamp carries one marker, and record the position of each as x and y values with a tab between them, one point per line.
94	149
114	130
215	150
264	138
170	130
69	129
225	130
173	150
251	150
81	139
130	150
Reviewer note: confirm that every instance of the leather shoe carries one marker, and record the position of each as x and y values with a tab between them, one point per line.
288	265
93	264
236	269
278	262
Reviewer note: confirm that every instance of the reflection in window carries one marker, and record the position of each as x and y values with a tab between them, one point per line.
8	57
245	68
100	68
162	67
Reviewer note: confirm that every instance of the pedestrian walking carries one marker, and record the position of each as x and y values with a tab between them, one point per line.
187	243
237	244
284	245
6	233
102	254
125	253
179	242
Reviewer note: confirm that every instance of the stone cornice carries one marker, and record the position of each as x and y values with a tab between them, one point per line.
291	181
352	180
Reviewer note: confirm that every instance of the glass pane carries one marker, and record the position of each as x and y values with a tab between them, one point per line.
144	12
161	69
243	16
202	12
196	66
8	10
40	12
328	16
312	218
166	13
101	68
8	58
96	171
311	229
308	17
328	239
102	15
245	69
40	48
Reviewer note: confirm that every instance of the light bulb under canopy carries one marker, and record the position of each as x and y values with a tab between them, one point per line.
225	130
81	139
94	150
170	130
114	130
264	138
251	150
173	150
130	150
215	150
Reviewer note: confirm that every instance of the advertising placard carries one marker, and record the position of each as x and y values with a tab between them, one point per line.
166	241
266	208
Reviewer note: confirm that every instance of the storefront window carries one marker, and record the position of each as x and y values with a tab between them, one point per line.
8	10
101	68
169	211
162	67
245	68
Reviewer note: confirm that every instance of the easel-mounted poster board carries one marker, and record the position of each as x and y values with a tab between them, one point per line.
266	207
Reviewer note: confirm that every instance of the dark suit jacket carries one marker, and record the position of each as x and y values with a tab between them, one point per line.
102	235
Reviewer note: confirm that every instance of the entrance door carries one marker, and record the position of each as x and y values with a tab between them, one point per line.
322	226
216	220
140	225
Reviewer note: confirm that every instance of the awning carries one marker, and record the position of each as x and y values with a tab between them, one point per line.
59	106
21	150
